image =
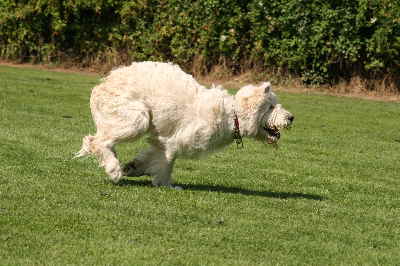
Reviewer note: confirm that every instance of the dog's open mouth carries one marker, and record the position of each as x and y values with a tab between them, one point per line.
273	134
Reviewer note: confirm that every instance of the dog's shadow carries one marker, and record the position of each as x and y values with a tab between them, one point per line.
231	190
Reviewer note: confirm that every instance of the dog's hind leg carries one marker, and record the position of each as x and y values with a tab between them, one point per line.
103	149
121	123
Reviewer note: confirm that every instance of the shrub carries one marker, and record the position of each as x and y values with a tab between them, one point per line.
320	41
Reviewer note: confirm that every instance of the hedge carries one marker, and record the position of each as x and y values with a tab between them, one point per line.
320	41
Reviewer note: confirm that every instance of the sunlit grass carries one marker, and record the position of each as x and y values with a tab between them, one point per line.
328	196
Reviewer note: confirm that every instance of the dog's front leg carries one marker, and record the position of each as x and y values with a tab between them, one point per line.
161	167
161	171
155	162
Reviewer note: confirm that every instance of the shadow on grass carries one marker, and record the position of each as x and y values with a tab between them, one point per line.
231	190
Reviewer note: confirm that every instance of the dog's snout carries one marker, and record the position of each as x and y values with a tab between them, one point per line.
291	118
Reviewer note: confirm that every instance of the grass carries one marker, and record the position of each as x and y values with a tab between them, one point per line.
328	196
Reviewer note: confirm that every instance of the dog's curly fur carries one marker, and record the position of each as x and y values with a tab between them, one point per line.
181	117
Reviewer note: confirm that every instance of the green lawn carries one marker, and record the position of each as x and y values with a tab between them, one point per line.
328	196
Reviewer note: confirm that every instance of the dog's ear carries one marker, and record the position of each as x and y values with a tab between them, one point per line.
266	86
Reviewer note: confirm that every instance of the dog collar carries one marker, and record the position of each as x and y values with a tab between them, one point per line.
236	132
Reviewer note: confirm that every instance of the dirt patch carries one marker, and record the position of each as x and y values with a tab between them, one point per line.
86	71
352	89
237	81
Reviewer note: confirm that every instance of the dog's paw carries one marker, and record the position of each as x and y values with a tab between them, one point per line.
131	170
157	183
128	169
115	175
176	187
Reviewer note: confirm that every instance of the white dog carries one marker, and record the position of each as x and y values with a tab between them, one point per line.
181	117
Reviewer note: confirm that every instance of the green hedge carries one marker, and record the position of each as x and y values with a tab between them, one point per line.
320	41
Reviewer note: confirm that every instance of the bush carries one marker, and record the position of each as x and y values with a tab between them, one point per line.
321	41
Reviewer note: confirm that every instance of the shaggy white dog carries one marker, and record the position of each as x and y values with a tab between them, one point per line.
181	117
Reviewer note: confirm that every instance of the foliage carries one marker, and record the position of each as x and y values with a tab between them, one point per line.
328	196
319	41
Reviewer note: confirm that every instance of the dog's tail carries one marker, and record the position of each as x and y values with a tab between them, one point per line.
86	148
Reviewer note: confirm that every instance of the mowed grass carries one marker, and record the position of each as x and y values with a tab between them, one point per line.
328	196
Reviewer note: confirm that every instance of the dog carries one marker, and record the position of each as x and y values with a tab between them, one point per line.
181	117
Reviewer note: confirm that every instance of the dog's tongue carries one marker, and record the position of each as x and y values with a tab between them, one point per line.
271	139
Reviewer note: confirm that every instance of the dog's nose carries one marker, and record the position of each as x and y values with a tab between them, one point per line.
291	118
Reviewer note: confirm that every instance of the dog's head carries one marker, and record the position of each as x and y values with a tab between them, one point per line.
259	109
